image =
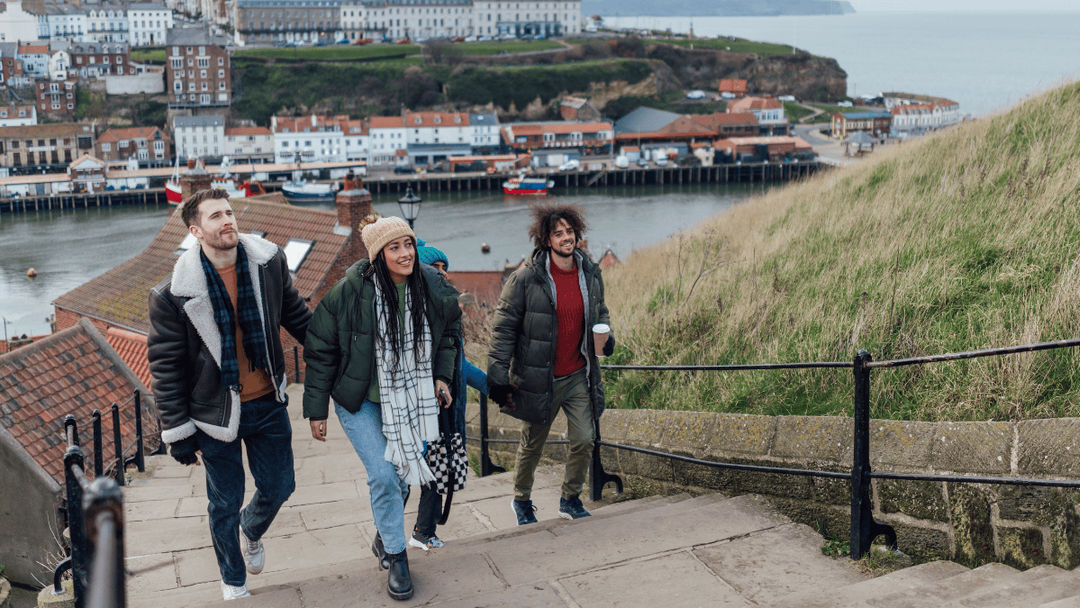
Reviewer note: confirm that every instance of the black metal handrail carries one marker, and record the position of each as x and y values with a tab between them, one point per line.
864	529
95	512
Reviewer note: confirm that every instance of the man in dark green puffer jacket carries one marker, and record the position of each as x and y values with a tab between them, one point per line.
542	357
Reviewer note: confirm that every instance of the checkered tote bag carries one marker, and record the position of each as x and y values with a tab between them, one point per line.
447	458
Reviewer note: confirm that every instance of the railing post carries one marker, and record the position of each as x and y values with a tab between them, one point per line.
98	463
140	456
296	361
486	466
118	444
73	457
103	506
598	478
863	527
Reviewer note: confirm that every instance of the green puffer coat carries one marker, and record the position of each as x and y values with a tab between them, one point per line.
340	347
522	349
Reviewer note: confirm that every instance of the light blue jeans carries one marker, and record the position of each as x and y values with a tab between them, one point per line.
387	491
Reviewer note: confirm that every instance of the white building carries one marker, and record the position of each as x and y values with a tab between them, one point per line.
438	128
516	19
35	58
108	23
357	140
18	116
59	64
62	22
17	24
249	144
768	111
485	131
386	20
199	137
308	138
387	137
148	23
918	118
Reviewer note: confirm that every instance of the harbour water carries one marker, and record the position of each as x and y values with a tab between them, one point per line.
983	61
70	247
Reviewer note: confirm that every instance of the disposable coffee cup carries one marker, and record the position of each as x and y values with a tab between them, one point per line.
600	333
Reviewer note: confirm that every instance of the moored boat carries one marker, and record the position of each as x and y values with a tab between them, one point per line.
303	191
172	186
527	186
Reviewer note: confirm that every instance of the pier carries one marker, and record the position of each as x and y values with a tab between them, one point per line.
433	182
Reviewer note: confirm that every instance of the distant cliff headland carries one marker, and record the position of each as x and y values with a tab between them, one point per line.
716	8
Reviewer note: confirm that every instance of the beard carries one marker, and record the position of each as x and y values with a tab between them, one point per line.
222	242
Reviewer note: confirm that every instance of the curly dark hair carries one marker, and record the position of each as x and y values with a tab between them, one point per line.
546	218
189	211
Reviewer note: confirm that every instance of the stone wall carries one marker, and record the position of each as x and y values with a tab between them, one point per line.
969	523
28	512
147	82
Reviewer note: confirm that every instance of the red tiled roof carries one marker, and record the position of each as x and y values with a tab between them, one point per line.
608	260
355	127
130	133
119	296
484	285
732	142
591	127
234	131
386	122
427	119
732	86
747	104
42	49
132	349
74	371
297	124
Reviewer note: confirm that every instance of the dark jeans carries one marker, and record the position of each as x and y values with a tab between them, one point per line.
430	510
266	431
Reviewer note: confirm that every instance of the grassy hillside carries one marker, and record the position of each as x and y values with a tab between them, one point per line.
966	240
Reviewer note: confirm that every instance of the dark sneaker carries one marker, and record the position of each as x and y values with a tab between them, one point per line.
524	510
425	542
572	509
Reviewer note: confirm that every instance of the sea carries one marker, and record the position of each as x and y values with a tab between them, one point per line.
986	62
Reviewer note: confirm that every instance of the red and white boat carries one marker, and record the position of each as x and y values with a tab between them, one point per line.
527	186
172	186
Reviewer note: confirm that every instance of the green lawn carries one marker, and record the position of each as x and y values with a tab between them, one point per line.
340	52
829	111
148	55
510	46
738	45
794	111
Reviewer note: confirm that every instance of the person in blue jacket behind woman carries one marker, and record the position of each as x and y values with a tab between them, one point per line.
466	374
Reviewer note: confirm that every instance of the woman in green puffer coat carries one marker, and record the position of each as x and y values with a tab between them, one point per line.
381	343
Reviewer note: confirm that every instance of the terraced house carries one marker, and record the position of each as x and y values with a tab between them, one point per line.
50	147
96	59
198	73
149	145
288	20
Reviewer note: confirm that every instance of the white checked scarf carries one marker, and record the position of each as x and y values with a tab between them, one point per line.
410	411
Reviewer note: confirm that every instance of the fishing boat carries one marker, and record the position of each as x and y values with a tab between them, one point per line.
172	186
303	191
527	186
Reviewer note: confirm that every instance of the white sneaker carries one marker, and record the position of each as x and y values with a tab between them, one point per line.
232	593
254	554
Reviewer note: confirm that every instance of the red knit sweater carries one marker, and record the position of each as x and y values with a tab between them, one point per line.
570	311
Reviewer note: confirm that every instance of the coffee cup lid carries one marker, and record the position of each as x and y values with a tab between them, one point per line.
601	328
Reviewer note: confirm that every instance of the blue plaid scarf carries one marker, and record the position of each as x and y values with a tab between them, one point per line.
250	322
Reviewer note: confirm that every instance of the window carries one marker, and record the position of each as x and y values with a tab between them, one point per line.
106	147
296	250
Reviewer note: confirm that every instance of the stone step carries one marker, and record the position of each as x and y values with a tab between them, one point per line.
702	551
973	582
1038	585
1069	602
859	594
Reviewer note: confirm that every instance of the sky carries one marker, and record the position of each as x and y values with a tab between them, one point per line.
1026	6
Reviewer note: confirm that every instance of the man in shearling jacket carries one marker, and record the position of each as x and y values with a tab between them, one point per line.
219	375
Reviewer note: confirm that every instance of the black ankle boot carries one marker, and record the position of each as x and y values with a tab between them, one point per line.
399	583
380	552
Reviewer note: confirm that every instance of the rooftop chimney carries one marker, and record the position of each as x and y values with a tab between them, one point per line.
352	207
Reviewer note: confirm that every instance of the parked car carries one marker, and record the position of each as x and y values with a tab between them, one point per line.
844	104
695	94
642	162
660	160
727	95
790	98
622	162
570	165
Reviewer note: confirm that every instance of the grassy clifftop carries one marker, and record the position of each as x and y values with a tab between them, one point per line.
966	240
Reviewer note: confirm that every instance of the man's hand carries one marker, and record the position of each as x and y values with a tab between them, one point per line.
609	346
318	429
183	451
442	393
503	394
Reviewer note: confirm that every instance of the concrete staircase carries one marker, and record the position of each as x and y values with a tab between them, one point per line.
669	551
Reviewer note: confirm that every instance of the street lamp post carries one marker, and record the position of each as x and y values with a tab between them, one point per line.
6	323
410	206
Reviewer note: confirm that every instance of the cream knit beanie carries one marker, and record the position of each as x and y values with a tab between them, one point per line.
377	234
